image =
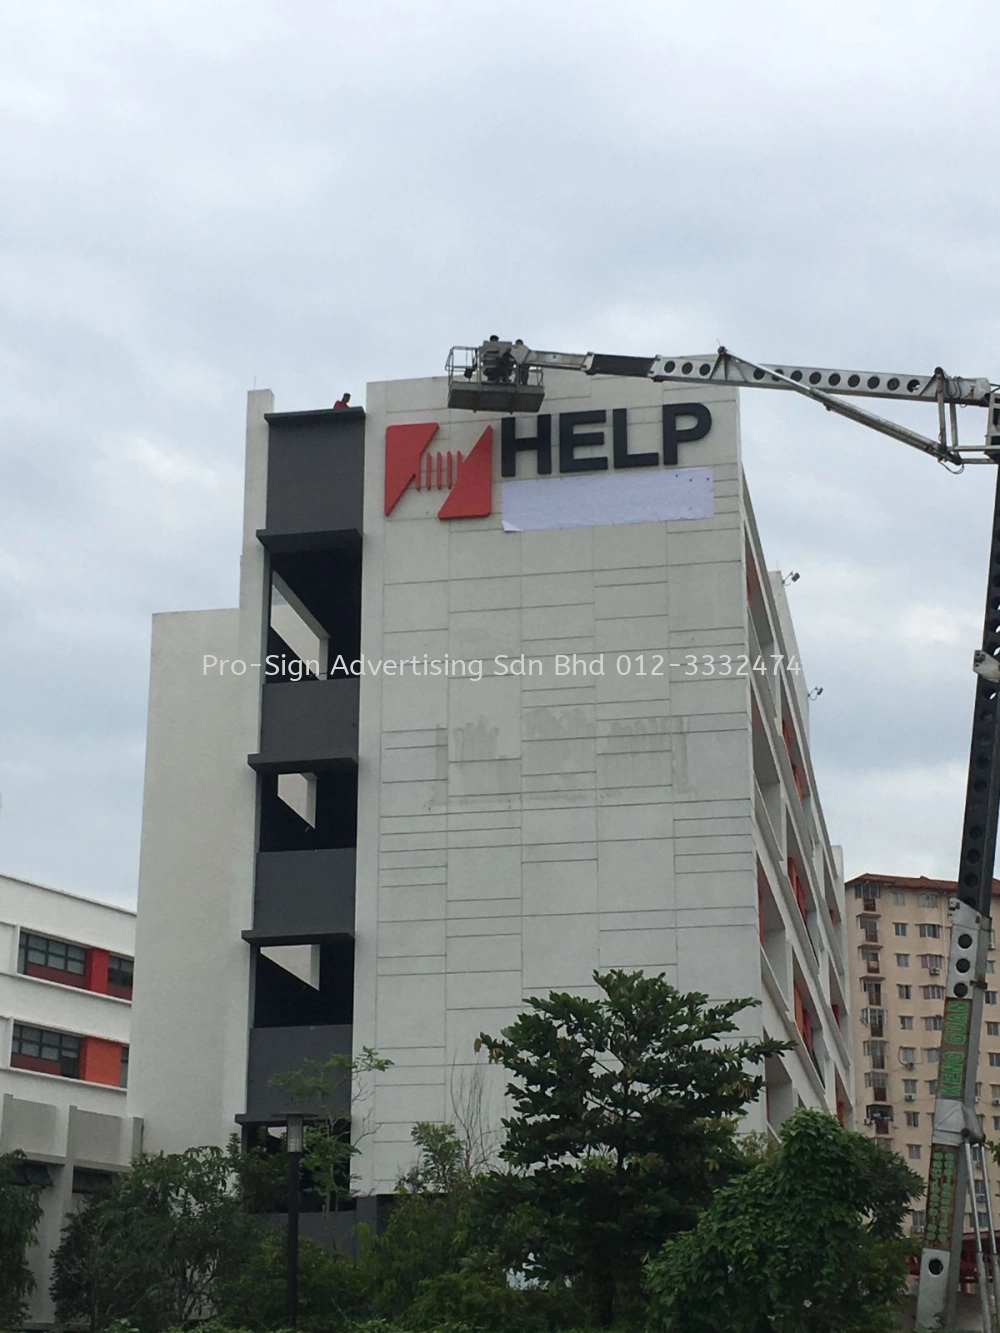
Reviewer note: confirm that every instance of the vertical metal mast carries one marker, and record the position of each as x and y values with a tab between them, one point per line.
955	1120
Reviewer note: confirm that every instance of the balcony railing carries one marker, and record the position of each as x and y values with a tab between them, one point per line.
281	1050
308	726
307	895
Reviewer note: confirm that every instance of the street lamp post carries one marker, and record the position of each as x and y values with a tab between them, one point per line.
294	1144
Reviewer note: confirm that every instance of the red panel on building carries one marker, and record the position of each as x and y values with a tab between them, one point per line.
60	974
100	1061
96	971
35	1063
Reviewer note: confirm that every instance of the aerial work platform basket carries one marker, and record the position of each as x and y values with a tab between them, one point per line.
494	377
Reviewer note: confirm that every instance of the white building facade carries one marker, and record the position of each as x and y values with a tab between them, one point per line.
506	701
66	973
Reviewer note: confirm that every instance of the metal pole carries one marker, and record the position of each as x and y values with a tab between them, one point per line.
994	1257
292	1253
955	1119
984	1295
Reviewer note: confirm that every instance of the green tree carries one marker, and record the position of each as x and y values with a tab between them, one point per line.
20	1212
421	1241
624	1122
808	1241
429	1270
155	1245
323	1089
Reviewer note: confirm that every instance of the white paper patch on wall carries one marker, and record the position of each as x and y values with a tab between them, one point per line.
640	496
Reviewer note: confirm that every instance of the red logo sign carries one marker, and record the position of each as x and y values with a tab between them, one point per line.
468	480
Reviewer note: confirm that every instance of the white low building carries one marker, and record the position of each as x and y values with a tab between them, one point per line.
394	854
66	966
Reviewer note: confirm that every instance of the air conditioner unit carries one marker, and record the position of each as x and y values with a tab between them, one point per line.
934	971
996	1101
910	1097
908	1064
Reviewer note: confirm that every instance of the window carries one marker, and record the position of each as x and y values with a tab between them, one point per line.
120	975
910	1088
803	1019
868	925
898	898
908	1055
899	928
927	900
983	1221
991	997
932	1087
913	1120
45	1052
875	1047
932	992
905	992
932	1054
979	1091
797	774
995	1059
995	1092
906	1022
902	960
932	960
123	1073
36	953
996	1122
990	965
86	1181
913	1152
799	889
933	1023
876	1079
928	930
918	1219
993	1029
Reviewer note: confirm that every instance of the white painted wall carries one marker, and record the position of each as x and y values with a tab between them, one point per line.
190	1018
46	911
517	833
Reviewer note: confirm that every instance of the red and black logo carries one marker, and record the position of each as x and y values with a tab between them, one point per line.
468	480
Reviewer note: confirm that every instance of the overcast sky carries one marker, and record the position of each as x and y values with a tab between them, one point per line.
309	194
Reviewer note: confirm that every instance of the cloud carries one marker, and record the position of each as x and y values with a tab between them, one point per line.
317	194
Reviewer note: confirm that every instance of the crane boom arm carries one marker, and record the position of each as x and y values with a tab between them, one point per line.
724	367
823	385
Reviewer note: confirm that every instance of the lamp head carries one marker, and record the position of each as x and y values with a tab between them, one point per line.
295	1137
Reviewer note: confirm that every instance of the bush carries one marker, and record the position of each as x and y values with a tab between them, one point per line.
330	1289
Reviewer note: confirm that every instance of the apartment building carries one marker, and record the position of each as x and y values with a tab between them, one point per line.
66	972
898	940
480	725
